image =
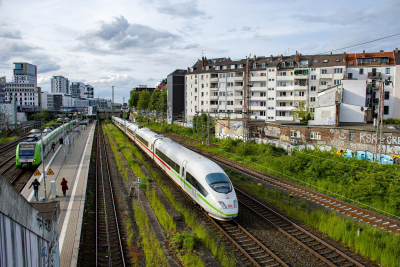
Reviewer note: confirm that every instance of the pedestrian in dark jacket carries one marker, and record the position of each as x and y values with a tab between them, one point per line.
35	184
64	186
53	146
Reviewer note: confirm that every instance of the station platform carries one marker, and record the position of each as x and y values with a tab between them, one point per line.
75	170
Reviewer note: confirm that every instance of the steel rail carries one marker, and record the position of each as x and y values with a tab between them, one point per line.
97	160
113	203
298	228
7	160
227	235
296	189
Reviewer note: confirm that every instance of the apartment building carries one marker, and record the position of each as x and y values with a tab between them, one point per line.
89	91
279	84
77	89
376	69
26	95
60	84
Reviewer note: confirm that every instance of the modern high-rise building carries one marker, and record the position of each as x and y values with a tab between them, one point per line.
25	73
2	89
89	91
77	89
60	84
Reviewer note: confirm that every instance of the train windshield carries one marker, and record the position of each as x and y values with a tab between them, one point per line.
219	182
26	150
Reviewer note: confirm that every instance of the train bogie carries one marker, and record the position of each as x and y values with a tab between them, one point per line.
202	179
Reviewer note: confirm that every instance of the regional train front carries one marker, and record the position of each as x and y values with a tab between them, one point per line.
25	154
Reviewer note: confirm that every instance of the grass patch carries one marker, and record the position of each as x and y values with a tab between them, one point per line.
5	140
210	239
378	245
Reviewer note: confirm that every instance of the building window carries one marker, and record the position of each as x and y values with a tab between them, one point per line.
263	65
313	77
312	99
271	98
231	74
262	103
263	74
350	75
222	75
271	89
386	110
315	135
361	71
283	73
262	113
387	95
313	88
202	102
295	133
324	71
323	82
271	80
230	84
337	82
387	71
221	84
263	94
338	70
352	136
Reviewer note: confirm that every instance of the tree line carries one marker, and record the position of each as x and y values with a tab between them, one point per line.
149	101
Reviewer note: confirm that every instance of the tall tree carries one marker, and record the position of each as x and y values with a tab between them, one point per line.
133	100
165	94
144	100
155	101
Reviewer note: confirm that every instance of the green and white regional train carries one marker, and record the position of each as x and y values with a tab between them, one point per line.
29	152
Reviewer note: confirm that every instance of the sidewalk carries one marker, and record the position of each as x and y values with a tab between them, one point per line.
75	171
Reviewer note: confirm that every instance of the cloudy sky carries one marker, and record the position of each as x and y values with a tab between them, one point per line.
130	42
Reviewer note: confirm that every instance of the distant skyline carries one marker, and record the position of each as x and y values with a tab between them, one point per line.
129	43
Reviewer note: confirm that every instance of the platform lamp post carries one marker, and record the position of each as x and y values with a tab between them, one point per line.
44	174
125	135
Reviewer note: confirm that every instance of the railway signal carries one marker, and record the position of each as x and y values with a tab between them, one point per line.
138	180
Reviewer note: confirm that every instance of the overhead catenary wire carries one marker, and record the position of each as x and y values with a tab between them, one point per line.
361	43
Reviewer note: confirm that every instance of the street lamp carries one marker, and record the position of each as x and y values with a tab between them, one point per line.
44	174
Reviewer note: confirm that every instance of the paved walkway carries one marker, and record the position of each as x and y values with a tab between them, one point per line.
75	171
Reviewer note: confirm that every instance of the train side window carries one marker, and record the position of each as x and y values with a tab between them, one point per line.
196	184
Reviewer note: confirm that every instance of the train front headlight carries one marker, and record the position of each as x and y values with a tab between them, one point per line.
235	203
222	204
34	160
18	160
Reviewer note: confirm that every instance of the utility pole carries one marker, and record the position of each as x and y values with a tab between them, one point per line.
183	118
15	112
379	123
44	174
202	134
246	108
112	104
208	129
162	107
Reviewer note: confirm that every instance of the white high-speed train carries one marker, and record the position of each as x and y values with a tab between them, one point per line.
204	181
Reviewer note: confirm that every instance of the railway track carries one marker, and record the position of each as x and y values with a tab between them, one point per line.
327	201
325	252
109	249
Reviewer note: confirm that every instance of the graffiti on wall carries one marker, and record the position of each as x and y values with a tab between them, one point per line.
222	129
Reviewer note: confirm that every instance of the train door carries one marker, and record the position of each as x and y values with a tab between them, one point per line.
183	175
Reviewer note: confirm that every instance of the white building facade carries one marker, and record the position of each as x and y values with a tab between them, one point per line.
279	84
60	84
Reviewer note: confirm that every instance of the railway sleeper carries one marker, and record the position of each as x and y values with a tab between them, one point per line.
335	255
340	260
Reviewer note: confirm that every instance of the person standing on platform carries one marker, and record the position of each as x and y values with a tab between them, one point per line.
64	186
53	145
35	184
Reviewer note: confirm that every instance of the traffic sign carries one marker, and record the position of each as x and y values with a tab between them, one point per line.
37	172
50	172
138	180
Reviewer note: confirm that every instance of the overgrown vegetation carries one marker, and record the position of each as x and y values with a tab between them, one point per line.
374	243
391	121
4	139
211	240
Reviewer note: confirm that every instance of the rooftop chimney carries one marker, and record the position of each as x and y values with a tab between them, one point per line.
203	62
381	51
344	57
331	52
254	57
281	57
363	53
272	58
297	57
396	50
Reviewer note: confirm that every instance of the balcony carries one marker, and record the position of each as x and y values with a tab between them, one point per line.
213	106
323	87
284	78
238	78
284	118
214	79
284	98
258	89
300	85
258	98
374	75
238	88
238	97
301	76
238	107
213	88
300	98
258	78
257	108
214	97
325	75
284	108
284	88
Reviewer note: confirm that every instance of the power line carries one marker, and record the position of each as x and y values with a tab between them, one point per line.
361	43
